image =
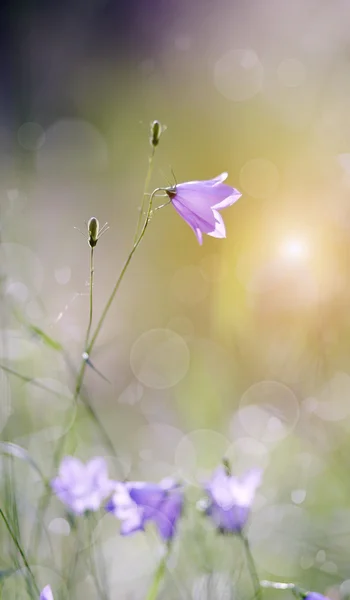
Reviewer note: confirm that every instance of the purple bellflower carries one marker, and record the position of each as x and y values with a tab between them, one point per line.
82	487
315	596
136	503
198	203
46	593
230	498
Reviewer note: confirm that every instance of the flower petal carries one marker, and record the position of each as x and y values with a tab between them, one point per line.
147	495
220	230
71	469
46	593
243	489
167	517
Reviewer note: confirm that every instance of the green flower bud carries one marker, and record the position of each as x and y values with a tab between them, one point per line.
93	230
156	132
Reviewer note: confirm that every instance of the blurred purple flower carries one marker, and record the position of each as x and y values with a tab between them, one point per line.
135	503
198	203
230	498
46	593
315	596
82	487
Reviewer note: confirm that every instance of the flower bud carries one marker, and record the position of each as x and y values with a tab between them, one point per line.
93	230
156	132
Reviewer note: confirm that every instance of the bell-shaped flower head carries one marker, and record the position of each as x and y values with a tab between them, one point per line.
80	486
135	503
314	596
199	202
231	498
46	593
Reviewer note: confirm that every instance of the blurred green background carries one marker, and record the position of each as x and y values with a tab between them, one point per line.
239	347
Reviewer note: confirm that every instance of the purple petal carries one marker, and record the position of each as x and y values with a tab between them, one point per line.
96	467
231	520
244	488
147	495
194	221
196	194
46	593
229	200
315	596
167	517
220	230
197	210
71	469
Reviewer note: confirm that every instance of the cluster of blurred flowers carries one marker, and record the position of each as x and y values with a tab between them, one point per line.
87	488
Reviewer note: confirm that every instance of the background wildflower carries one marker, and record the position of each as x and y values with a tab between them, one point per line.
82	487
230	498
46	593
136	503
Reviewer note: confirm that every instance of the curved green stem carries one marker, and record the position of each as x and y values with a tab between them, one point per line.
252	568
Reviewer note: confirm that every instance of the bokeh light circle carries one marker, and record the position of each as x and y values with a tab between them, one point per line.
31	136
160	358
238	75
259	177
269	411
21	266
199	453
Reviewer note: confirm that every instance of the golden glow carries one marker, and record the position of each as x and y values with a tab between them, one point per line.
295	249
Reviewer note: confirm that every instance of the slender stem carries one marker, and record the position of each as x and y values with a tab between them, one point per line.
147	180
32	381
90	295
81	373
20	550
252	568
117	284
158	577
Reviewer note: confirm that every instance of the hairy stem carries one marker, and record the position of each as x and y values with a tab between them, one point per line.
147	180
91	284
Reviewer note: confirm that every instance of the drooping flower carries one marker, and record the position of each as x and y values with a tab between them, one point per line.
315	596
82	486
46	593
136	503
199	202
231	498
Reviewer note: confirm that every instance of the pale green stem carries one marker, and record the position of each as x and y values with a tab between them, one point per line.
158	577
147	180
91	284
252	568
